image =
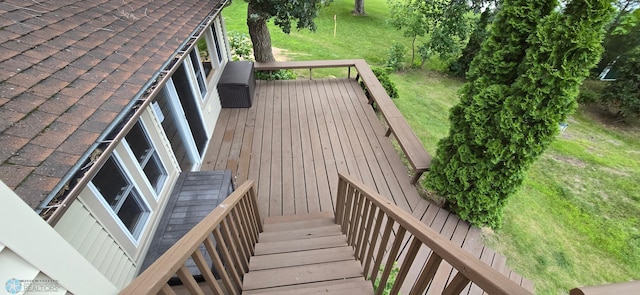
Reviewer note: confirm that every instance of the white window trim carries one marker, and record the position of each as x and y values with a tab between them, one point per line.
193	80
192	149
146	215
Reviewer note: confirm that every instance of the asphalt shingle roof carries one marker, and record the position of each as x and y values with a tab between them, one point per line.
68	68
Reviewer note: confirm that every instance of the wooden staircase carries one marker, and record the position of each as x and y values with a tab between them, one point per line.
304	254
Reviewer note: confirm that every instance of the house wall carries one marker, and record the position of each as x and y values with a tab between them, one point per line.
31	250
90	238
93	227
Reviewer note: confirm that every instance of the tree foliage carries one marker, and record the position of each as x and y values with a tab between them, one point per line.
284	13
522	84
624	92
623	33
480	32
444	20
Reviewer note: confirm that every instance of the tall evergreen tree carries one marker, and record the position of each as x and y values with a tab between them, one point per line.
521	85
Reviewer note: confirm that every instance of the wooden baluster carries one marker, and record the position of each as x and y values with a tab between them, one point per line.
340	201
241	232
365	239
391	259
188	281
219	266
256	212
346	219
374	240
381	248
232	239
361	228
248	226
355	217
166	290
406	264
456	285
229	259
426	274
205	270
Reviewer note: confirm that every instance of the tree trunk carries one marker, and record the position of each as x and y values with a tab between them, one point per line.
260	36
358	8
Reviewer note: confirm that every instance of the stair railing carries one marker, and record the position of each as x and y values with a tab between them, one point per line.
228	235
372	222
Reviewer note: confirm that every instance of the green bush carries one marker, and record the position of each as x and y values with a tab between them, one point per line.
396	56
240	45
276	75
587	96
383	76
385	80
390	281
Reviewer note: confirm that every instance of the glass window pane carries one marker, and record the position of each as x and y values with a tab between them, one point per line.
110	182
131	212
215	40
155	172
138	142
205	58
197	67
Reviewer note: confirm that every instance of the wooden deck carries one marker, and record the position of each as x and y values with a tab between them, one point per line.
297	136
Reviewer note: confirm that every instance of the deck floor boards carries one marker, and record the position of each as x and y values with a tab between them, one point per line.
299	134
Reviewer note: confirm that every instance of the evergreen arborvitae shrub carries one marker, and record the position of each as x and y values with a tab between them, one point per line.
522	84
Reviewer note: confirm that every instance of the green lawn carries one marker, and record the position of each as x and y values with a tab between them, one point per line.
574	222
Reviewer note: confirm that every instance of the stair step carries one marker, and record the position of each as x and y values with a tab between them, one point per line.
301	274
297	217
277	290
301	234
301	258
301	224
335	287
301	245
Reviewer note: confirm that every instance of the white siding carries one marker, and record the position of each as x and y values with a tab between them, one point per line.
14	266
81	229
31	250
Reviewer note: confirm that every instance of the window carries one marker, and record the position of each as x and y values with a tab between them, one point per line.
216	42
199	70
205	56
121	196
146	156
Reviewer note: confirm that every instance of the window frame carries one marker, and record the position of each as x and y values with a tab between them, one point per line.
131	190
151	155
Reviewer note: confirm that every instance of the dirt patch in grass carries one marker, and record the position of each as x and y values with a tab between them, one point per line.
613	171
569	160
280	54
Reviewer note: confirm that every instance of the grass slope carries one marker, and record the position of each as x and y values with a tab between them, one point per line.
574	222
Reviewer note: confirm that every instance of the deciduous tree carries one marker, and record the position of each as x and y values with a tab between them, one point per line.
447	23
358	7
520	86
283	13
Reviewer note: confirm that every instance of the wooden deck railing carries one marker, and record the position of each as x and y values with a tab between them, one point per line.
229	234
626	288
369	221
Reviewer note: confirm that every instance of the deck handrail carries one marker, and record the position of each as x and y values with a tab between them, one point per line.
358	207
624	288
231	230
